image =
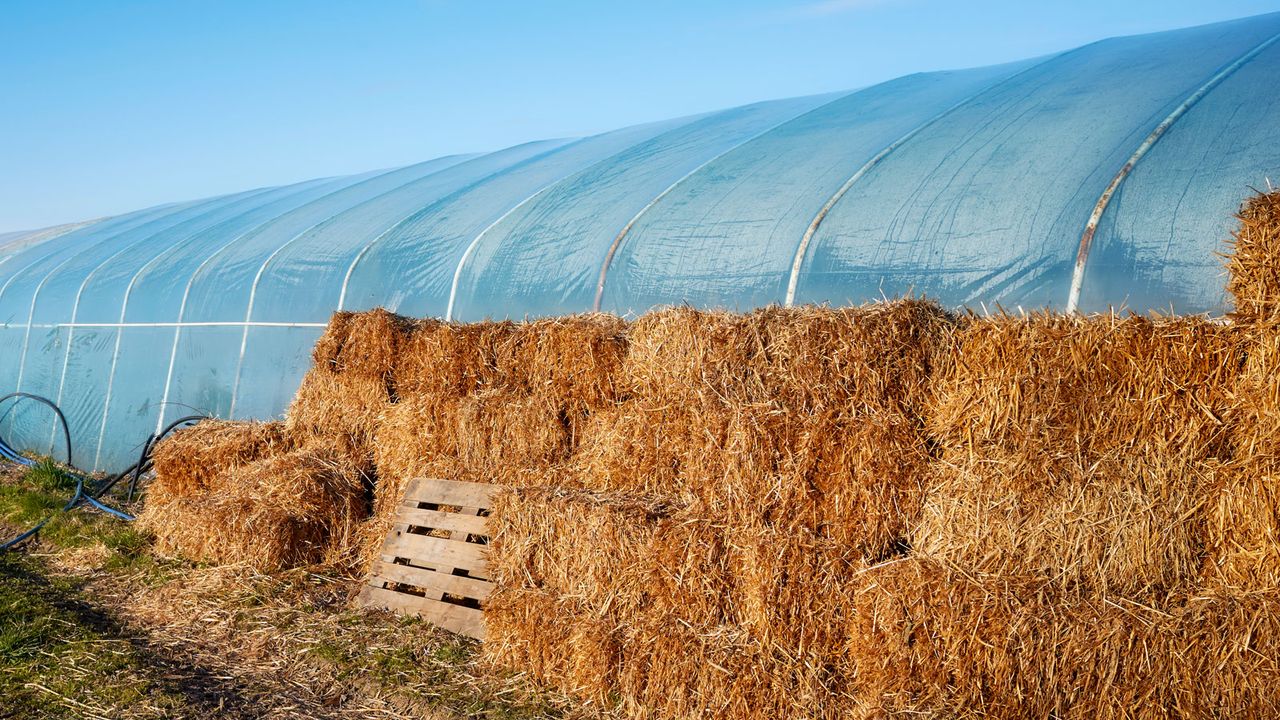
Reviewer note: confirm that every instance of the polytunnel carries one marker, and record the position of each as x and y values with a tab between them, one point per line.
1104	176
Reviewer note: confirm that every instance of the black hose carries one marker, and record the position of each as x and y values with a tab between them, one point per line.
134	472
66	429
145	458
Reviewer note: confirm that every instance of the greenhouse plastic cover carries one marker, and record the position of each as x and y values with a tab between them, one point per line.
973	187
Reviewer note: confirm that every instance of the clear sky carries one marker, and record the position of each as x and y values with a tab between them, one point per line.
114	105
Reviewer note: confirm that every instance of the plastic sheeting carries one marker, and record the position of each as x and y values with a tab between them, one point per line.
973	187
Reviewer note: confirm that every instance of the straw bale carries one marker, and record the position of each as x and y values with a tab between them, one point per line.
809	416
681	354
224	531
324	354
644	447
1244	518
493	436
293	508
794	593
341	409
926	640
192	460
676	670
801	358
453	360
573	360
558	641
588	547
366	344
1254	263
1085	450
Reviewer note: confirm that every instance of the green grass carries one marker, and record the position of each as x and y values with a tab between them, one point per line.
59	657
44	490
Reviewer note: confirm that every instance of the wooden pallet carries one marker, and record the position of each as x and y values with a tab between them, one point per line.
433	562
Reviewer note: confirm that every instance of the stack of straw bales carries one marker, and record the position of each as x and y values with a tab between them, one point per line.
1082	450
1101	536
932	640
351	385
785	451
1058	567
812	512
293	508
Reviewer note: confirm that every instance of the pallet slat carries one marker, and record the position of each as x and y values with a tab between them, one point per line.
454	618
433	580
455	522
437	552
450	492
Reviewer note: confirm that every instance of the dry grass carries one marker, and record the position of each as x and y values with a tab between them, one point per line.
1082	450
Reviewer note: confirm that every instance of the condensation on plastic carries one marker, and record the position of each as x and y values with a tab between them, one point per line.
972	187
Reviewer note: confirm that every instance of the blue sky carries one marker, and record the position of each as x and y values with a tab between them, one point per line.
115	105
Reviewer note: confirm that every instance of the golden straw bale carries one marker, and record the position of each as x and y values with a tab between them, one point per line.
590	547
489	437
794	592
690	566
324	354
367	344
800	358
1083	449
192	460
573	360
451	359
929	641
1254	263
341	409
808	415
1244	519
676	670
558	641
225	530
645	447
681	354
294	508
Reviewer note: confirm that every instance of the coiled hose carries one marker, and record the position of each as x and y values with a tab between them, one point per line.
81	496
